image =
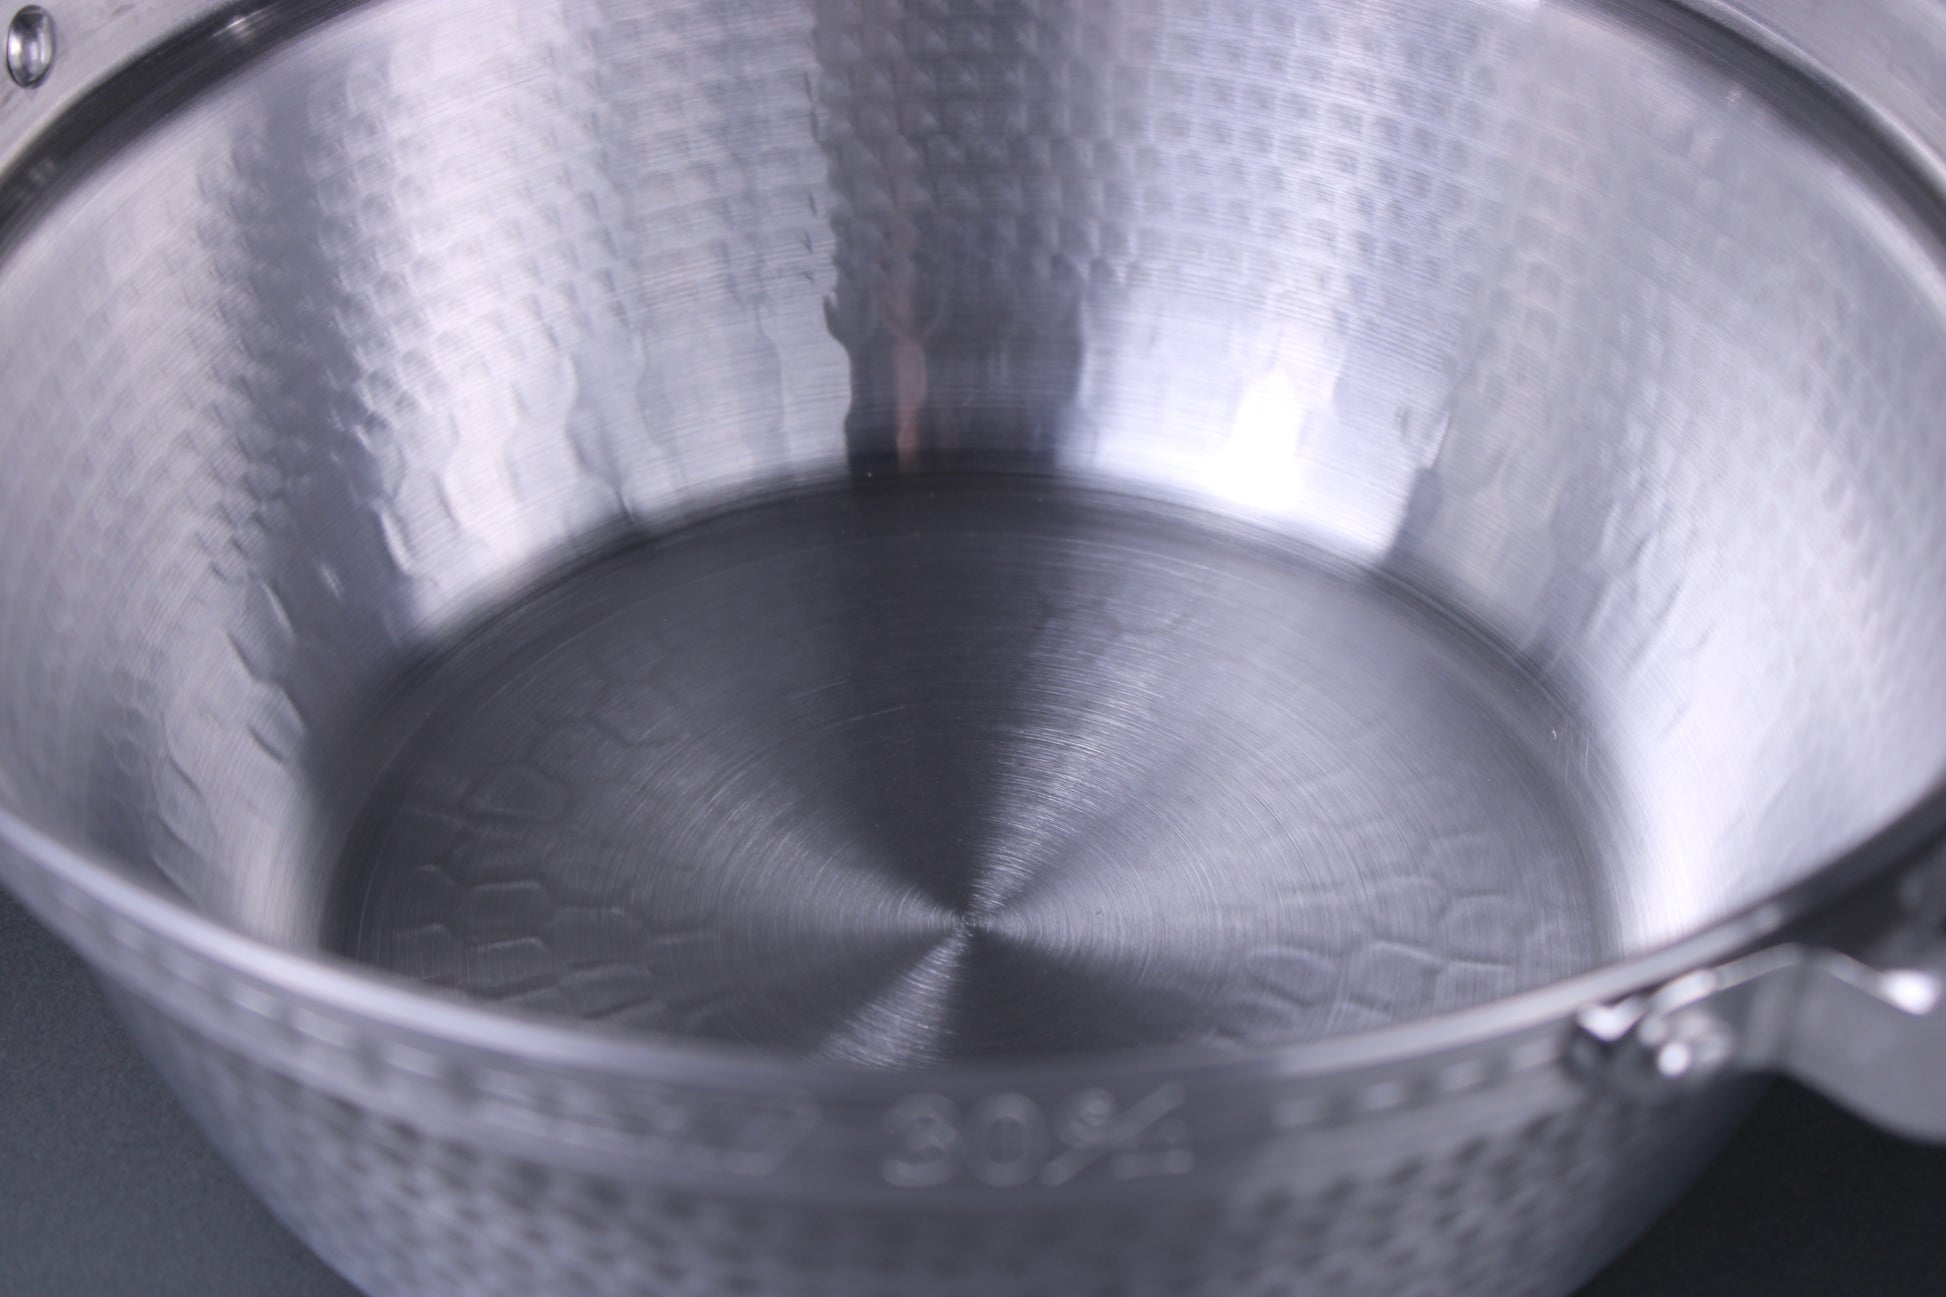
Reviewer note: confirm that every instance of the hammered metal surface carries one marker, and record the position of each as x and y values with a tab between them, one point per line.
1620	355
350	349
1522	1196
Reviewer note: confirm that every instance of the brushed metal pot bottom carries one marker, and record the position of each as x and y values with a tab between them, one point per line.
943	772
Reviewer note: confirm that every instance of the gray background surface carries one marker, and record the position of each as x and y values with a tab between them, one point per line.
106	1190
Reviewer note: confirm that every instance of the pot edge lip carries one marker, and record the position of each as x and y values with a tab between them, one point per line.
416	1016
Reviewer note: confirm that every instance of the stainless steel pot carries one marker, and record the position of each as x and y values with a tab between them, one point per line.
981	646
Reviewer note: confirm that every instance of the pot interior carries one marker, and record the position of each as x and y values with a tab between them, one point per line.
904	533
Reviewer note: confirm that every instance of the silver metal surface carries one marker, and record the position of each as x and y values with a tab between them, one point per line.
889	553
926	775
1867	1026
30	46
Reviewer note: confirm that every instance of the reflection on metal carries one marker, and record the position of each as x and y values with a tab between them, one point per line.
646	572
30	46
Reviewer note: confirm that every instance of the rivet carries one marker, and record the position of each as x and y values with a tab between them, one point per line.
30	46
1695	1045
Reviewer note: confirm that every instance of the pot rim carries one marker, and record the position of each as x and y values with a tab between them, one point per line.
167	50
407	1010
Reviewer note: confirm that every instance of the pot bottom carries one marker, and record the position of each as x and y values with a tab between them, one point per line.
913	774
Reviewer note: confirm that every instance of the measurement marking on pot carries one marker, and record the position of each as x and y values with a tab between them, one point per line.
1008	1141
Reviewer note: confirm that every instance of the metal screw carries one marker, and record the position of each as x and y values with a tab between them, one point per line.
30	46
1695	1044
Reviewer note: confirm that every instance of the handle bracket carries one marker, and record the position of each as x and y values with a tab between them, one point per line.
1868	1031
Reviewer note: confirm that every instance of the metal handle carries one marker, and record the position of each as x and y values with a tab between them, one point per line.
1862	1020
1874	1041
